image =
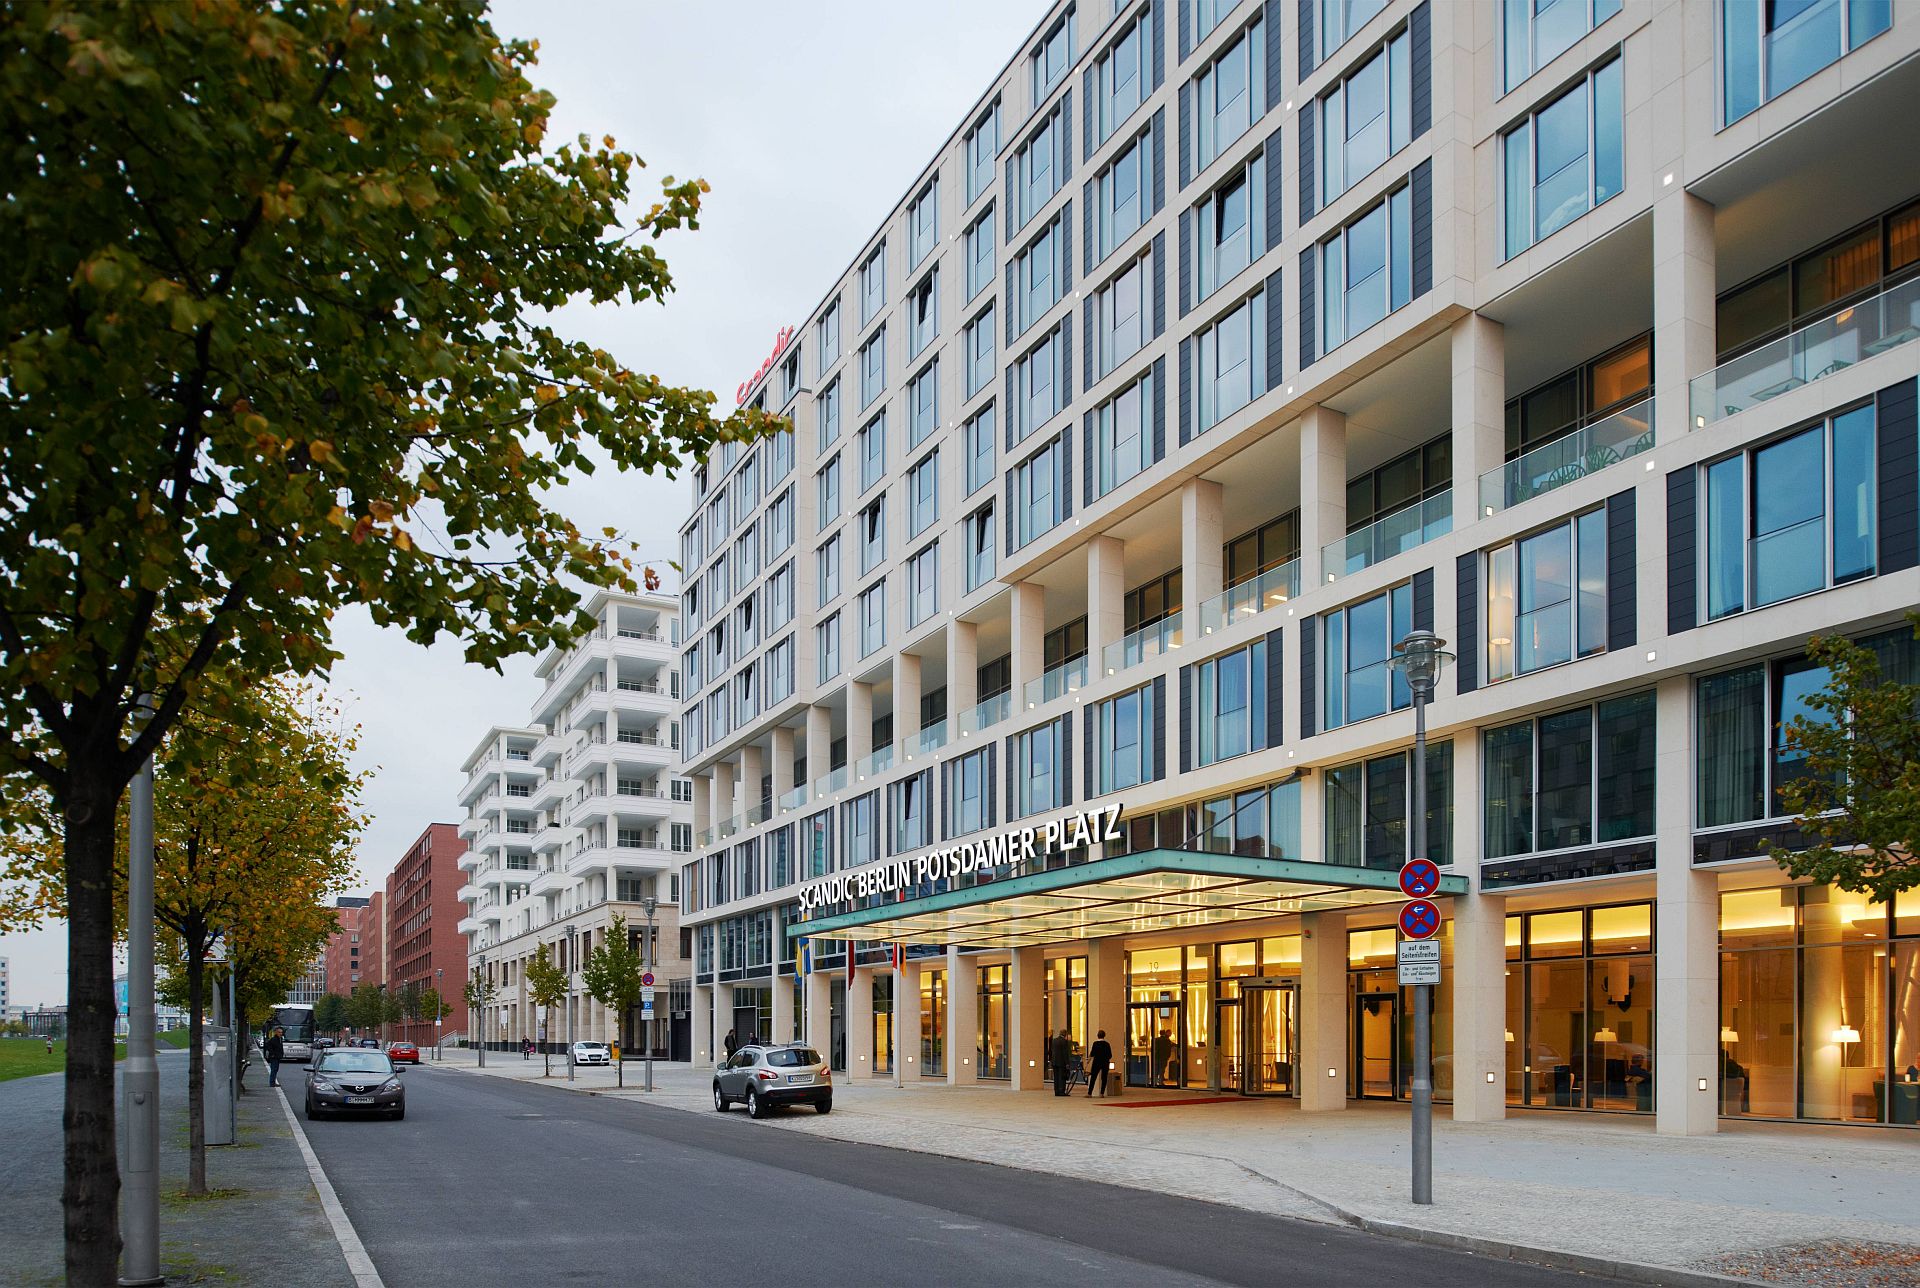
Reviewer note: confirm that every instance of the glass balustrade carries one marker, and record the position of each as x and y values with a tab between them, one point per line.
1270	589
1149	641
1628	432
1389	535
1812	352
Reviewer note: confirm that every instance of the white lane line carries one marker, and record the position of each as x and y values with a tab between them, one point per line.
359	1264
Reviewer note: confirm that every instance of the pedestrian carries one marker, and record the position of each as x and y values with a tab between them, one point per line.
1061	1053
733	1043
276	1052
1098	1059
49	1044
526	1048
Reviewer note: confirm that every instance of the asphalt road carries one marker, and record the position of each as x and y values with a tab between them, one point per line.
494	1182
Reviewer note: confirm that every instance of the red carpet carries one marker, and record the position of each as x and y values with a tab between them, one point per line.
1159	1104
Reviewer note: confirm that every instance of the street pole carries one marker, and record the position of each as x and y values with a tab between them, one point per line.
650	905
439	1013
140	1086
569	1003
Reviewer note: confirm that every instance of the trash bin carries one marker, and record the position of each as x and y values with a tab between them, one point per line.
216	1050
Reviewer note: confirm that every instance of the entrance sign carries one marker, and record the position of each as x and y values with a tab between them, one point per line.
1419	961
1000	849
1419	919
1419	878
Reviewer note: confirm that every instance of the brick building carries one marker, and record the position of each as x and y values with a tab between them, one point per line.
424	946
349	957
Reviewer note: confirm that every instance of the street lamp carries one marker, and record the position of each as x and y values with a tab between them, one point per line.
439	1011
569	1001
649	905
1419	658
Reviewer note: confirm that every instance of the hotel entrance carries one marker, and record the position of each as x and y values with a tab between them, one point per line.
1376	1046
1257	1034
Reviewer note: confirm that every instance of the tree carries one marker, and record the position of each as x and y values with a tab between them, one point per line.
480	993
547	985
329	1013
366	1007
612	976
1858	800
284	345
431	1009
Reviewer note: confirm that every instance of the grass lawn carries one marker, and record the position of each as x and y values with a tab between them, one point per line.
24	1057
176	1038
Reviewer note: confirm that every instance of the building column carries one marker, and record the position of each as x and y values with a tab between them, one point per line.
963	669
783	1017
1479	410
720	1018
1684	309
963	1020
724	810
1029	613
1107	1005
1106	597
819	742
1027	1018
1323	489
1480	1044
1686	909
753	770
702	803
1202	535
906	1022
1323	1011
860	1052
859	723
782	762
906	701
819	1017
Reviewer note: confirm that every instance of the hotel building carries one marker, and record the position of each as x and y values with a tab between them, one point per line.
576	817
1218	347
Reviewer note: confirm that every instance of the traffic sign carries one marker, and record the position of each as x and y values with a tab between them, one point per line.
1419	878
646	979
646	1010
646	996
1419	961
1419	919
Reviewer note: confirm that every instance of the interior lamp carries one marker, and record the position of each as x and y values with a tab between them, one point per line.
1846	1033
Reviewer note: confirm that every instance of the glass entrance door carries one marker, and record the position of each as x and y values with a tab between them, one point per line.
1153	1044
1376	1064
1266	1023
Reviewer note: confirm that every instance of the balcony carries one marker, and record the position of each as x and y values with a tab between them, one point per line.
1068	677
794	799
1270	589
1151	641
1390	535
1626	433
986	715
467	926
873	766
1813	352
927	741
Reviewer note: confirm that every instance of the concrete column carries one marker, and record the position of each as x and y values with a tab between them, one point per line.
1687	933
906	701
1027	1021
1029	609
753	768
859	723
702	802
1106	597
724	807
963	1020
906	1022
1323	489
860	1046
783	1017
819	1017
1480	1050
819	742
1479	410
1107	1005
963	668
1202	533
1324	1049
1683	305
782	762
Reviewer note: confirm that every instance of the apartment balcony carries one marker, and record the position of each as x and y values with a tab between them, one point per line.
650	857
1068	677
469	894
929	740
1390	535
985	716
551	791
1148	642
1626	433
645	806
1269	590
471	860
484	775
646	751
1813	352
549	881
468	926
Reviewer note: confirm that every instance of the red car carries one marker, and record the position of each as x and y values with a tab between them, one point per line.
403	1053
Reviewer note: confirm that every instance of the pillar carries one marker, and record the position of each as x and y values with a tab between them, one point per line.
719	1019
783	1017
1323	1011
963	1020
859	723
906	1023
1027	1021
1202	535
1686	911
906	701
753	770
1106	597
1029	612
724	810
1683	304
1480	1049
702	803
819	1017
1323	489
860	1052
1107	1005
1479	410
963	669
782	762
819	742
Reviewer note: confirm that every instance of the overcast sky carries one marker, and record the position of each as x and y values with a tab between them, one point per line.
809	121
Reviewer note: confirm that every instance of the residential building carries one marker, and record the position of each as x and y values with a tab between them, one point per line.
424	946
577	817
346	967
1218	348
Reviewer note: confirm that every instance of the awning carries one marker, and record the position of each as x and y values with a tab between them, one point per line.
1156	890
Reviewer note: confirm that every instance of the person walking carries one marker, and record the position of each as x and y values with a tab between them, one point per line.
276	1052
1058	1055
1097	1060
733	1043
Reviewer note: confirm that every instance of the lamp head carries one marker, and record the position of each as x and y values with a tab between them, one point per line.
1420	657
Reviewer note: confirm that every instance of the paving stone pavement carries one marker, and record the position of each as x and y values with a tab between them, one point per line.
1590	1185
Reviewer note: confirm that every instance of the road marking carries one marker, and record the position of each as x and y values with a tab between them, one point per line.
359	1264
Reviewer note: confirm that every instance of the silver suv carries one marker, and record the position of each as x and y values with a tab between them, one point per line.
767	1077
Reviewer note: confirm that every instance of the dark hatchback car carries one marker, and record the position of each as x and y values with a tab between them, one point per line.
351	1081
768	1077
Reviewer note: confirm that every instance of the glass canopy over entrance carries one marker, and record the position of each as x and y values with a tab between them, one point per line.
1150	892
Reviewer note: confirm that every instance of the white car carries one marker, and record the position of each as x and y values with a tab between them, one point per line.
592	1053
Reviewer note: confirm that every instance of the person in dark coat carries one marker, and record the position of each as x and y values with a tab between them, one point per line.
733	1043
276	1050
1097	1061
1058	1055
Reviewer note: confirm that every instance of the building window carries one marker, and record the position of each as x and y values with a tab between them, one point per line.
1123	428
779	455
1580	1008
859	834
1266	547
923	585
978	343
1230	362
1124	736
1535	32
826	570
873	451
1547	597
826	338
1367	269
873	534
978	548
827	648
1229	95
1040	271
873	618
828	482
978	435
779	525
1042	382
1040	778
1369	805
923	404
923	313
1576	778
779	666
1049	62
873	368
1230	704
1366	118
1792	516
979	253
923	223
1573	400
1230	228
1121	326
967	809
923	494
1123	76
1768	48
1564	160
982	146
1341	20
873	284
1818	283
827	414
1359	640
1121	194
1040	486
1039	166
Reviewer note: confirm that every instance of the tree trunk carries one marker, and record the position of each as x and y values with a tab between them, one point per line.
546	1046
90	1196
196	1067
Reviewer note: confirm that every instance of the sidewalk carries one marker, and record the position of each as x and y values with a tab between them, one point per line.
1591	1185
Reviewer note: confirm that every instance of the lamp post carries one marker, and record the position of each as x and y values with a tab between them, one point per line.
1419	657
649	905
569	1001
439	1011
140	1084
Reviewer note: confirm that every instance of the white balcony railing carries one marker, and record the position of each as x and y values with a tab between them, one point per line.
1628	432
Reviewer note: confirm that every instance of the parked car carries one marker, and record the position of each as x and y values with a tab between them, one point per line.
592	1053
403	1053
322	1044
370	1044
354	1081
767	1077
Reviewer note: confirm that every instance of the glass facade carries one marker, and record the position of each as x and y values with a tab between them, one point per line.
1580	1008
995	1036
933	1023
1380	1026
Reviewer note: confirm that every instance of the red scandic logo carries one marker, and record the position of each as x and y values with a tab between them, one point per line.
1419	920
779	347
1419	878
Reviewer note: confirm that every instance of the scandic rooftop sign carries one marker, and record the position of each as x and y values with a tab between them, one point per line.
998	850
779	347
